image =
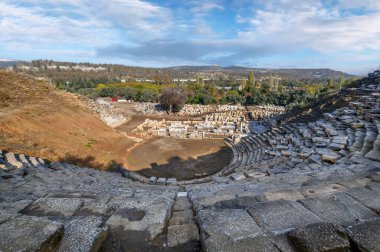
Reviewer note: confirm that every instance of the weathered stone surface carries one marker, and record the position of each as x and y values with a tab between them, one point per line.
340	209
182	204
286	194
16	206
320	237
366	235
83	234
182	234
232	230
369	198
143	214
137	222
323	191
59	207
6	215
95	209
29	233
243	202
282	216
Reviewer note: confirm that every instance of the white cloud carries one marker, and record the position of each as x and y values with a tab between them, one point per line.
309	24
89	23
203	7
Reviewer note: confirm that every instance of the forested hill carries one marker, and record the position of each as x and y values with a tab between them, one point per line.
48	68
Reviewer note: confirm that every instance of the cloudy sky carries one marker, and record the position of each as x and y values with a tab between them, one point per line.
339	34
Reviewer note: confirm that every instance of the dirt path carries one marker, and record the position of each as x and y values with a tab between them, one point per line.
179	158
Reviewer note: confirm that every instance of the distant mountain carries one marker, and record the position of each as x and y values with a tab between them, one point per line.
71	71
287	73
4	63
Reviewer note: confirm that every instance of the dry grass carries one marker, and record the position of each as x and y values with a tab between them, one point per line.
37	119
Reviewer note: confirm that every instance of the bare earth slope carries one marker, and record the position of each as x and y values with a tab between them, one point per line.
38	119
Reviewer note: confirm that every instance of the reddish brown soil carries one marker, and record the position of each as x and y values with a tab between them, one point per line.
37	119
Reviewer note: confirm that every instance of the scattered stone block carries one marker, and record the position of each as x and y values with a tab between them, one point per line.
152	180
182	194
330	156
237	176
317	159
161	181
320	237
171	181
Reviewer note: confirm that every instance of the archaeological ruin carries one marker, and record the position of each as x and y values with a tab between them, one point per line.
293	186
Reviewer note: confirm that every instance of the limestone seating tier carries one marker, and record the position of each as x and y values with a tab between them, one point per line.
348	131
61	207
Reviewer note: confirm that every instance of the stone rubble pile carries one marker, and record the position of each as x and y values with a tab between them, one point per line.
107	112
265	111
149	108
215	125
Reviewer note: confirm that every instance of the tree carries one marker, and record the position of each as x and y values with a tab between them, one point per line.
342	80
174	97
331	84
243	83
197	78
251	81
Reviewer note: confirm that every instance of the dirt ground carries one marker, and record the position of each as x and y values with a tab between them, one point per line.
39	120
179	158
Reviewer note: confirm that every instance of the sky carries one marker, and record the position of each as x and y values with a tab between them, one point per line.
338	34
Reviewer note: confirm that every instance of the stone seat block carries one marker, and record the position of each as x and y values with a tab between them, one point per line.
366	235
29	233
83	234
340	209
232	230
320	237
282	216
58	207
